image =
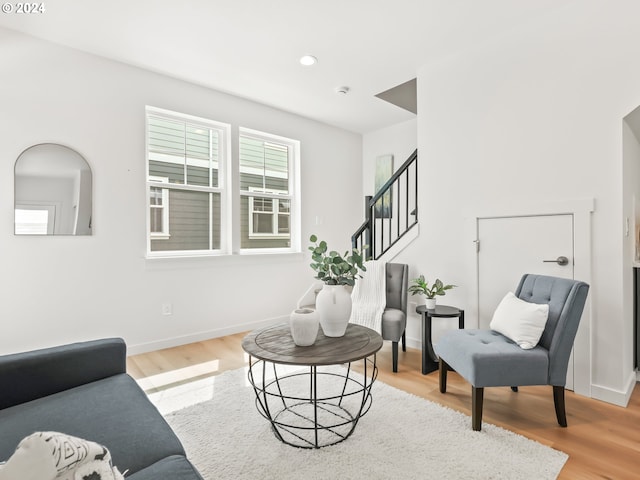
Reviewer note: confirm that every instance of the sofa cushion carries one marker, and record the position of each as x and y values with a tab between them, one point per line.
488	359
175	467
47	371
394	322
113	412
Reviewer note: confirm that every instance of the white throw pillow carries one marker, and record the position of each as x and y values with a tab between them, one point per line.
521	321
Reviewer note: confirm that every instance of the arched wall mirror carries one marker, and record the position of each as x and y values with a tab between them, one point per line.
53	186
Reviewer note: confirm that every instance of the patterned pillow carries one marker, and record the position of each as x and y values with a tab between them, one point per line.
56	456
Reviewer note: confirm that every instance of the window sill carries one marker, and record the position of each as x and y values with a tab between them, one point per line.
265	236
244	257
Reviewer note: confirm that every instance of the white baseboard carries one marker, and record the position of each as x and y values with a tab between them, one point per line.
137	349
616	397
414	343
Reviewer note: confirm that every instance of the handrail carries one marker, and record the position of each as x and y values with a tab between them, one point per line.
395	200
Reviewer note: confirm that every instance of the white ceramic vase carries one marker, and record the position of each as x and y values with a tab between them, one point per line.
333	305
304	326
430	303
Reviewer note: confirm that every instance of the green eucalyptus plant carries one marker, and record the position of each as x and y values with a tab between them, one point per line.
333	268
421	287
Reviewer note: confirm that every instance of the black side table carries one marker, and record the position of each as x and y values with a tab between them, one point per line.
429	358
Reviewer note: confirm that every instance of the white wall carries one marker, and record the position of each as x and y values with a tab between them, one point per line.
399	140
535	119
59	289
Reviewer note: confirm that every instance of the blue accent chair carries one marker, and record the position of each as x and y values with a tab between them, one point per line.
486	358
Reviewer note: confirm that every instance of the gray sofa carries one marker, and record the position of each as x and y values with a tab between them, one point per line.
83	390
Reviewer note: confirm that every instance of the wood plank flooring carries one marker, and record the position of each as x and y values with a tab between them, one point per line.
602	440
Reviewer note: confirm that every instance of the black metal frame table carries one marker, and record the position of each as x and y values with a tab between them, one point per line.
429	357
316	406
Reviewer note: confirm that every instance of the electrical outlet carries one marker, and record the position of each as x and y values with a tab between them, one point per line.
167	309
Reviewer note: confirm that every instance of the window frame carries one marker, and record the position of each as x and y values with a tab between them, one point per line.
223	187
229	190
293	150
274	213
50	208
164	234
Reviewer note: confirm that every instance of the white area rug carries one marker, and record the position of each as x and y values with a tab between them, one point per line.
402	436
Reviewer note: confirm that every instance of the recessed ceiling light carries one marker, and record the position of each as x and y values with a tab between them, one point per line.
308	60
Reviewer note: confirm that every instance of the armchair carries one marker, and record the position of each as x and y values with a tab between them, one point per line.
486	358
394	316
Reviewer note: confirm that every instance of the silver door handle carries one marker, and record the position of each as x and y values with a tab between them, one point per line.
560	261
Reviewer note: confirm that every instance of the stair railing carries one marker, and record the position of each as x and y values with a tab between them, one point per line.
391	212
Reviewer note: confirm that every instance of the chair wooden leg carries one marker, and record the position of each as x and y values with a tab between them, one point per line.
394	350
442	370
477	395
404	341
558	400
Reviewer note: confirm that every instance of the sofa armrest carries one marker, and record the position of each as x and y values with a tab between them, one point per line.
31	375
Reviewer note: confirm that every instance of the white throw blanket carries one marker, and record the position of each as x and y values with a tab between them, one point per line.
369	297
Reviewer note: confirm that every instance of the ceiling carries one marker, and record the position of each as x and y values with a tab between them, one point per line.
251	48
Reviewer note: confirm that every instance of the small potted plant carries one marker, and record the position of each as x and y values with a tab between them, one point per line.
336	271
420	286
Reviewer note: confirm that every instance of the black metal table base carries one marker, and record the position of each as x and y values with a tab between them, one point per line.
429	357
314	407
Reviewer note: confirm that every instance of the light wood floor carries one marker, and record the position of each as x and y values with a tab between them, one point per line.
602	440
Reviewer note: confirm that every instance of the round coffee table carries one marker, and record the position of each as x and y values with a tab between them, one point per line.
312	407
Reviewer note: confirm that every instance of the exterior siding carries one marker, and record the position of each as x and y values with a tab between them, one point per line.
189	220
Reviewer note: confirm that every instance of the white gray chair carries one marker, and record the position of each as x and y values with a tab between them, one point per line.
486	358
394	317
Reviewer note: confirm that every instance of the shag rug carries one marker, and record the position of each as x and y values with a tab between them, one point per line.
402	436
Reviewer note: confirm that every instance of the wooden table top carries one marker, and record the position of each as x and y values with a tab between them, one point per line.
275	344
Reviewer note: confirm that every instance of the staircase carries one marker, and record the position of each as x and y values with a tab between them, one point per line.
391	214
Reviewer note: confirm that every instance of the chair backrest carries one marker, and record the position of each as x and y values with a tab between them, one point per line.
397	279
566	299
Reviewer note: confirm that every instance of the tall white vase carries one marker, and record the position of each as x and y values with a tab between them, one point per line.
333	305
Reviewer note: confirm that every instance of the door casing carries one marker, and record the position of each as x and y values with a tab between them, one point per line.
582	210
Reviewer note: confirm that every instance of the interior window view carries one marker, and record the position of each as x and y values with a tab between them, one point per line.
265	188
365	240
184	157
188	187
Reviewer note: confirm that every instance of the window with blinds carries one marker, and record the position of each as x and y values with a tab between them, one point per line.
266	189
185	188
188	160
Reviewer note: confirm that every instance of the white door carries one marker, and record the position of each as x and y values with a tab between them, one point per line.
512	246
